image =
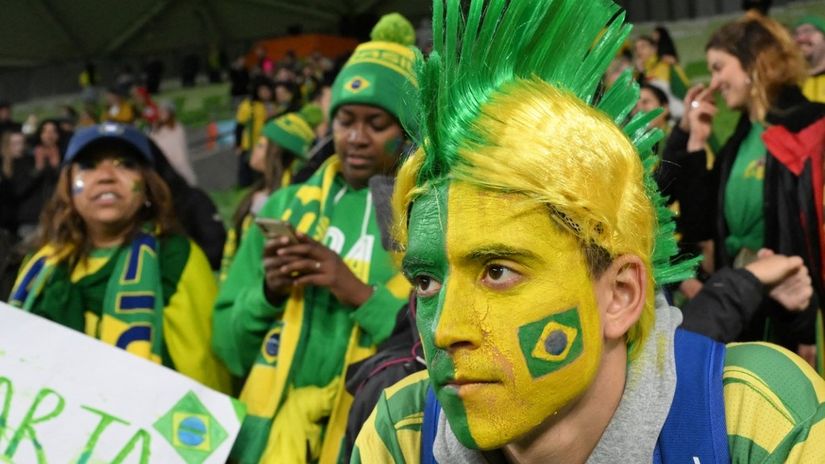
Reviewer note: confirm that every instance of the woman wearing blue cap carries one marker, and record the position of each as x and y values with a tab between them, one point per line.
112	264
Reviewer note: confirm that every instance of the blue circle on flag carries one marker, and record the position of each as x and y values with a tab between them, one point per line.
191	431
273	344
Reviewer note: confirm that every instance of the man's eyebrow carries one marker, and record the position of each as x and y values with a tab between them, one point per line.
499	250
411	261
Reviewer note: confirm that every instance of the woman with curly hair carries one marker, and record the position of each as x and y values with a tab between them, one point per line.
766	183
111	263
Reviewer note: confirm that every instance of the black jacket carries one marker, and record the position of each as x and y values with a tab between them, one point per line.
396	358
194	209
725	306
30	190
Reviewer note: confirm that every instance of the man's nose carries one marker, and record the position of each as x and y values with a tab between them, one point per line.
458	325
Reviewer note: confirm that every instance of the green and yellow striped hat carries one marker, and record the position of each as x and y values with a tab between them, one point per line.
381	73
295	132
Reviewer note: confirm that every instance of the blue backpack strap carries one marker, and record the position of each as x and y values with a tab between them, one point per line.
695	431
430	426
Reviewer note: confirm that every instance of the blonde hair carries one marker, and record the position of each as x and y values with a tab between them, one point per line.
509	101
767	53
594	190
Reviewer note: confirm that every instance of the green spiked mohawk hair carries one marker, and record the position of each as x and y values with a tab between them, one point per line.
566	43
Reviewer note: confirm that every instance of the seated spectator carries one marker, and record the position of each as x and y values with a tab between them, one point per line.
194	210
664	73
652	98
535	239
145	106
12	145
118	107
278	155
170	136
810	36
6	121
239	80
109	233
761	192
250	117
292	314
35	176
287	97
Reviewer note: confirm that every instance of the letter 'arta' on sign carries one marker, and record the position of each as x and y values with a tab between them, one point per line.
75	399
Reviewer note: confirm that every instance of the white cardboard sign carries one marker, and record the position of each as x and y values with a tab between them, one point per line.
68	398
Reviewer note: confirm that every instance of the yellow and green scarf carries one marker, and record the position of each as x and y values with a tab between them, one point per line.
132	314
282	421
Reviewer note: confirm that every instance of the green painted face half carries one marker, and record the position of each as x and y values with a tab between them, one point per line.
506	311
425	263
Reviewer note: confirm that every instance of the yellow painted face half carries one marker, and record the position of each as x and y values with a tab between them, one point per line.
506	311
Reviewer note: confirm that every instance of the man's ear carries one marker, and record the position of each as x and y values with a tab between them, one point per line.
621	292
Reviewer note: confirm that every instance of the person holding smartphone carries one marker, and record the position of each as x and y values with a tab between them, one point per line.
298	306
766	183
280	151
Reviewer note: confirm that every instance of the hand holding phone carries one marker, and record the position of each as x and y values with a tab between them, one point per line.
277	284
274	228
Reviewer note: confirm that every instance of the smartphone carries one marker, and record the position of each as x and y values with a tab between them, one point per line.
273	228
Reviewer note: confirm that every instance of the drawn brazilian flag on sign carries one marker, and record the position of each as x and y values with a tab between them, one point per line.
551	343
191	429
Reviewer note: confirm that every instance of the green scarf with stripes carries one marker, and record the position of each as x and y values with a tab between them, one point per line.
132	314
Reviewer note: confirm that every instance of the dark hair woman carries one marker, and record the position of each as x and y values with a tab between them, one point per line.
111	264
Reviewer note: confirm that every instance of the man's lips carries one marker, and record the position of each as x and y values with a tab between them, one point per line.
464	381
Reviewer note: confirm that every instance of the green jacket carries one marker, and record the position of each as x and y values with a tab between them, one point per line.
306	343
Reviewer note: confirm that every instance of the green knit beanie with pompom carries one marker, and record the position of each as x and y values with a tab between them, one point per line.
381	73
295	132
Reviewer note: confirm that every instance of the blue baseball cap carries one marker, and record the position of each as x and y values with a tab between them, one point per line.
109	131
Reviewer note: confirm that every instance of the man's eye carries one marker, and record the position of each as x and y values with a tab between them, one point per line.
499	277
426	286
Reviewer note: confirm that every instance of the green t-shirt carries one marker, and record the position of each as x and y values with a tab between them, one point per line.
744	195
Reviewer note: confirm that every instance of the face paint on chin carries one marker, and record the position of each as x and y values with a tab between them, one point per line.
502	360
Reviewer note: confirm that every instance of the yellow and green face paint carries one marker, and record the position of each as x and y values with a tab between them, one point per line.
506	311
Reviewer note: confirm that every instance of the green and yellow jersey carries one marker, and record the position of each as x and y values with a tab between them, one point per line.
774	411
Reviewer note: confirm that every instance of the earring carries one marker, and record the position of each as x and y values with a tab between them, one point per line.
147	203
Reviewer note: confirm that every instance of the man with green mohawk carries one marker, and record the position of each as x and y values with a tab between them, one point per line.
296	309
535	240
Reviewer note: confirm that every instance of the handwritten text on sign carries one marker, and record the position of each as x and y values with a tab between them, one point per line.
65	397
